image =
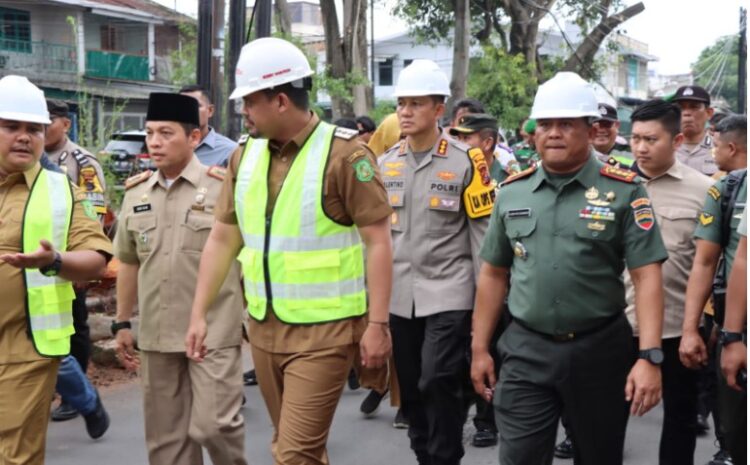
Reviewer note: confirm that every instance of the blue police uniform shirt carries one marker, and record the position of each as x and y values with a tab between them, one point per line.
215	149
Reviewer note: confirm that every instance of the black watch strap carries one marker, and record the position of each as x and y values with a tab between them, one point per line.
53	269
728	337
654	356
118	325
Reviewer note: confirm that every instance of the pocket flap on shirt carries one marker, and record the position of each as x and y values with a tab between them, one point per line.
677	213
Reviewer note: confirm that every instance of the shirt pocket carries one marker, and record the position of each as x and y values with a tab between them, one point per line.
519	228
444	215
195	231
677	226
142	228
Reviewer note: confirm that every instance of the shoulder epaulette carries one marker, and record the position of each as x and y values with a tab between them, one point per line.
81	158
217	172
137	179
523	174
619	174
243	139
345	133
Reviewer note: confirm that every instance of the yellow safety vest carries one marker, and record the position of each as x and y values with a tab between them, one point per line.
310	268
49	300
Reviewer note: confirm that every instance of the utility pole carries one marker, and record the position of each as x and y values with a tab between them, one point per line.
742	64
216	89
237	13
204	43
372	51
263	18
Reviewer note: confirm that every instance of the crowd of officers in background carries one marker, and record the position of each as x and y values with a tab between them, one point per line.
572	276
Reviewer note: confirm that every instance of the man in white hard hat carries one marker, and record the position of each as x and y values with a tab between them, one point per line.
300	208
564	232
442	195
49	236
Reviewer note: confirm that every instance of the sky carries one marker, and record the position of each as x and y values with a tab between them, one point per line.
675	30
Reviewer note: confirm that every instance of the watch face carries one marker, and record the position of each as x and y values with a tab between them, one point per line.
656	356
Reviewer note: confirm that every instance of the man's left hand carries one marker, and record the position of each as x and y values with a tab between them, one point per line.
643	387
41	257
733	359
375	346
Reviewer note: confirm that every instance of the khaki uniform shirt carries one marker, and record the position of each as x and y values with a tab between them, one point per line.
346	199
85	233
84	170
567	240
677	199
435	243
163	230
698	156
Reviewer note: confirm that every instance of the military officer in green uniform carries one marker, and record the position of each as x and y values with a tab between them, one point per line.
525	151
563	233
480	131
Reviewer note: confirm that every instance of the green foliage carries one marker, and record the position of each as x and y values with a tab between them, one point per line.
183	60
503	84
716	69
382	109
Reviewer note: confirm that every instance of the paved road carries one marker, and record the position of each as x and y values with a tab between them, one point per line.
354	440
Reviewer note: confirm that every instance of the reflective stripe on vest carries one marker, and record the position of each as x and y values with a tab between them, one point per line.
314	265
49	300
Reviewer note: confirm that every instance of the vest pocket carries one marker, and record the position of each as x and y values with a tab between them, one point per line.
312	280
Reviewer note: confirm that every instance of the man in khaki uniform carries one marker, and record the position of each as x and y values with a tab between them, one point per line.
164	223
676	193
84	171
695	151
27	378
302	349
442	195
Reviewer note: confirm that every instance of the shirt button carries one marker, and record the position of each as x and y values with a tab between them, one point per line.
166	253
555	266
556	301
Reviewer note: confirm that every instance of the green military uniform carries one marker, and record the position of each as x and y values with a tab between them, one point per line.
566	240
525	155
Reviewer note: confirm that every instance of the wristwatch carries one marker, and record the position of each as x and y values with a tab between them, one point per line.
53	269
118	325
654	356
728	337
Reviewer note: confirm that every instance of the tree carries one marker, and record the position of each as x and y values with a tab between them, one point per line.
716	69
283	17
460	51
345	59
183	60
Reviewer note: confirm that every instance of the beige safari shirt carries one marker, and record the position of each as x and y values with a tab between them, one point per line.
435	244
677	198
163	230
84	170
698	156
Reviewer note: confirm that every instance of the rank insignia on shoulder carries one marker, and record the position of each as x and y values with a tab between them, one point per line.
217	172
618	173
356	156
243	139
442	148
523	174
345	133
714	193
137	179
402	148
705	219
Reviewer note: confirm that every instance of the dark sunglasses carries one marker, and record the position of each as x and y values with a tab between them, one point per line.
605	123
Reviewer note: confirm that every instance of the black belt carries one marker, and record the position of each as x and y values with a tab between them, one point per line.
571	335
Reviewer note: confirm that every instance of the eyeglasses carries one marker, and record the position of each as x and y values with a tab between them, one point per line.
605	123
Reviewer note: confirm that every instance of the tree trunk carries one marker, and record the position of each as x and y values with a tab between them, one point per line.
283	17
525	26
355	37
580	61
335	55
462	31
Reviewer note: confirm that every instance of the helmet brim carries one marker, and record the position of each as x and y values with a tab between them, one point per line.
25	117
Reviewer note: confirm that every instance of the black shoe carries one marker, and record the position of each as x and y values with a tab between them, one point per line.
64	412
97	422
722	457
249	378
371	403
353	381
701	425
484	438
400	422
564	450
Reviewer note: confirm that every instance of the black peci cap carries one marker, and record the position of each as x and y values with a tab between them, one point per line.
172	107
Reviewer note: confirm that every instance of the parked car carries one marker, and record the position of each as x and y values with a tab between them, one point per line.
127	154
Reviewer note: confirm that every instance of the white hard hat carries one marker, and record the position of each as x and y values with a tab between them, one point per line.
20	100
420	78
266	63
566	95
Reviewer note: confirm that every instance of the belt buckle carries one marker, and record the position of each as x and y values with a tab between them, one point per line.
564	337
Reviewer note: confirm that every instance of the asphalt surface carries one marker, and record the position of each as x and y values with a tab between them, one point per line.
353	439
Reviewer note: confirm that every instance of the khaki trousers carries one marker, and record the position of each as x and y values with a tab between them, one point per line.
379	379
187	405
25	395
301	392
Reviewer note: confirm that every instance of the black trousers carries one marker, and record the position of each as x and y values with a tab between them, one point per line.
80	341
733	407
707	382
431	355
680	400
585	376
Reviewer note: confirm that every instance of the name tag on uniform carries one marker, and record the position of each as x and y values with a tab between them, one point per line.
519	213
142	208
394	184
